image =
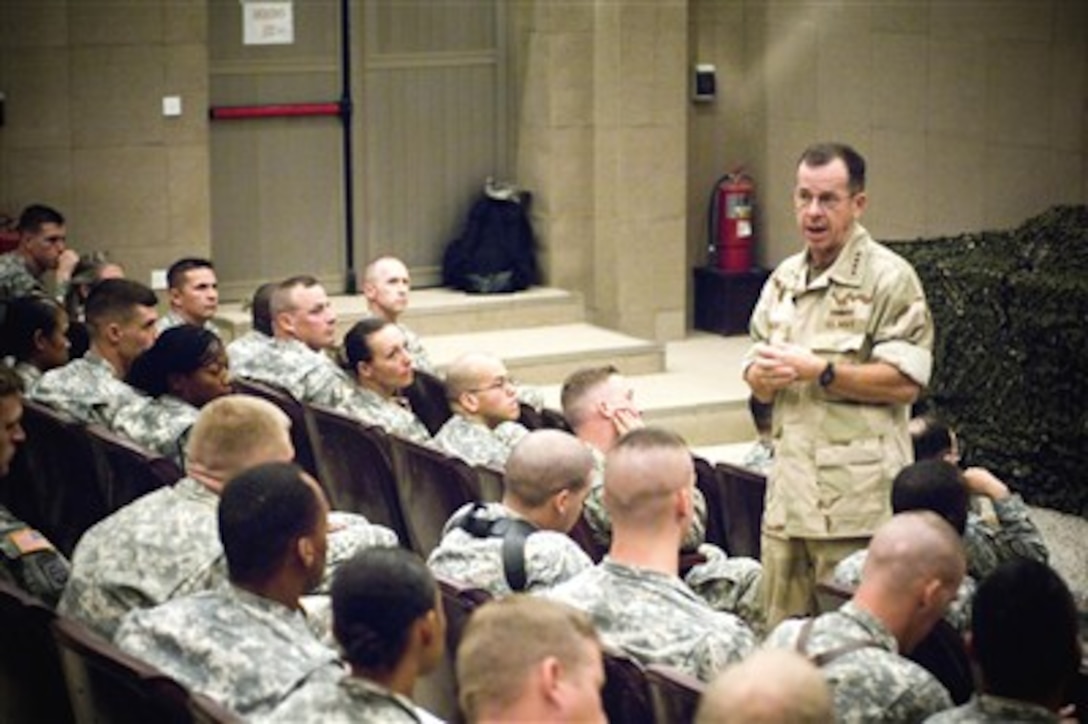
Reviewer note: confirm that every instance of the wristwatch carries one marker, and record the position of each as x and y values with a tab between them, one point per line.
828	375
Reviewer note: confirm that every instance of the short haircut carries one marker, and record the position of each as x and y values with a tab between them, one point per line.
115	300
492	666
376	597
821	154
175	275
931	438
356	341
262	512
1025	632
35	215
21	318
234	432
576	388
912	548
545	462
261	307
10	382
282	296
179	350
771	685
934	485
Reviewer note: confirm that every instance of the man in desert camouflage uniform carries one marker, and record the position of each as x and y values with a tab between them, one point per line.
164	544
914	567
484	427
546	481
376	354
247	644
843	346
121	316
635	596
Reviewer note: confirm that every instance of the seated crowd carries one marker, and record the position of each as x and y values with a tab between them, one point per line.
239	581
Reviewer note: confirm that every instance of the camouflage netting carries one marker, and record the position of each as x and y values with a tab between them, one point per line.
1011	354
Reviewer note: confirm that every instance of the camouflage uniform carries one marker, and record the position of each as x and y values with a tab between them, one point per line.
245	351
30	561
173	319
835	457
288	363
656	618
16	279
848	573
601	525
242	650
160	424
730	584
28	373
165	545
476	443
351	699
984	708
373	409
87	389
551	557
1015	536
870	684
420	359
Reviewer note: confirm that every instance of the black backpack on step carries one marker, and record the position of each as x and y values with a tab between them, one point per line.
496	251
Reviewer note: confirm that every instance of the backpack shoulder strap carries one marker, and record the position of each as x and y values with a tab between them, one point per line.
822	660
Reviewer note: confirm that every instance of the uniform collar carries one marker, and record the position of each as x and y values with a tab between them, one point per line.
847	269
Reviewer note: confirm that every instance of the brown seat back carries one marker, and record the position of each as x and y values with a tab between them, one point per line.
134	471
740	495
626	694
427	395
300	435
674	694
32	687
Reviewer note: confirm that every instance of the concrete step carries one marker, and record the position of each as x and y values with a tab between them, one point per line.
546	355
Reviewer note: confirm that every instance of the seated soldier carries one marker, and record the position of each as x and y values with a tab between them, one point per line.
34	335
121	317
936	486
243	351
988	543
387	286
635	595
163	545
913	570
92	267
552	672
184	370
248	645
521	544
484	428
29	560
772	686
1024	638
389	622
193	294
376	356
43	247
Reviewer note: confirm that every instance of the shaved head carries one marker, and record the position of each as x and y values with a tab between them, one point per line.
913	547
770	686
545	462
642	472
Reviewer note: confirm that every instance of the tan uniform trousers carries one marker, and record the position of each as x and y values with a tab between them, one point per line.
791	568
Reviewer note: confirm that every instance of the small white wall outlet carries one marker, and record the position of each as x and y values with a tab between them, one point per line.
158	279
171	106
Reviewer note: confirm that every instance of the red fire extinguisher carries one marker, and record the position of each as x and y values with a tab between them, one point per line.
731	230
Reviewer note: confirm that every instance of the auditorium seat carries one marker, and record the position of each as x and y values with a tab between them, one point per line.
134	471
206	710
32	687
739	501
489	485
355	466
626	693
674	694
300	435
427	396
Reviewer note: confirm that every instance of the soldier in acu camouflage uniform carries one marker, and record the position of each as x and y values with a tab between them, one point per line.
635	596
243	350
843	347
376	354
914	567
247	644
546	481
33	331
484	428
193	291
386	286
42	248
121	316
27	558
388	619
1024	638
164	544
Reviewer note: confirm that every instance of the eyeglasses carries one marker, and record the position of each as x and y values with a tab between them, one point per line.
827	201
499	383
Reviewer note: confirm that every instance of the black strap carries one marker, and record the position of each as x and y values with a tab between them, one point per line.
822	660
513	531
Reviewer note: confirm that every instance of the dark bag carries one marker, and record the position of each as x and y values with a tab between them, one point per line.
496	251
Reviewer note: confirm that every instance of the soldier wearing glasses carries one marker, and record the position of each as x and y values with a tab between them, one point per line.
843	346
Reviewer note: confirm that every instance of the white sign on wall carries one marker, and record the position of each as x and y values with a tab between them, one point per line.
268	23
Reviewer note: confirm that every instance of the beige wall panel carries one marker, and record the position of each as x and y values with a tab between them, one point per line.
1018	93
899	96
108	22
956	99
189	199
1069	102
185	22
39	175
956	189
36	82
899	17
1019	183
116	95
121	194
1000	19
897	186
33	24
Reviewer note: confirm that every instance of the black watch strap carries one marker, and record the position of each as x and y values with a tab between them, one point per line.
828	375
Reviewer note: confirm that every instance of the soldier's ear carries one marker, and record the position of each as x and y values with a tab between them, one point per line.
307	551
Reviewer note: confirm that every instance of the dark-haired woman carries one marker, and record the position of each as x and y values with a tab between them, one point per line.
35	332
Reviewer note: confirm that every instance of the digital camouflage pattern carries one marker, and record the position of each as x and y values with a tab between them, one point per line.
16	279
243	352
551	557
390	415
28	373
30	561
288	363
848	573
87	389
420	359
1015	536
986	709
173	319
730	584
242	650
656	618
349	700
477	444
834	457
870	684
159	424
